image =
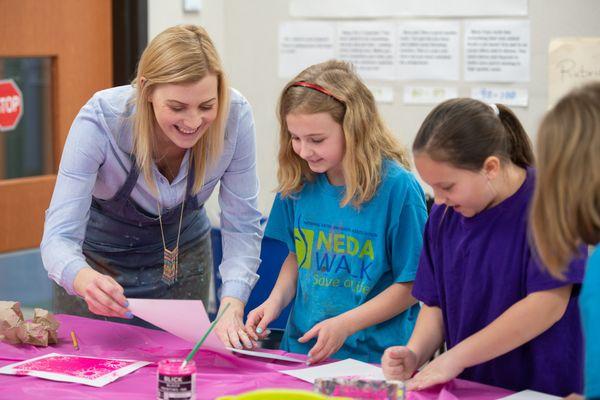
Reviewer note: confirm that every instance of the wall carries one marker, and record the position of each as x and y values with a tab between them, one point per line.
246	35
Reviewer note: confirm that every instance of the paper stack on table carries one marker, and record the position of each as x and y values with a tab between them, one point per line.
530	395
188	320
348	367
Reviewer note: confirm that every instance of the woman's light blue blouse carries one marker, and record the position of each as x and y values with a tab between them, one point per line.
95	162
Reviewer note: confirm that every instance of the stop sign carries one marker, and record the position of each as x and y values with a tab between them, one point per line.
11	105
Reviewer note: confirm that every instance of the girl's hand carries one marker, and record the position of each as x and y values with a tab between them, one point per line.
103	295
398	363
259	318
230	328
332	334
441	370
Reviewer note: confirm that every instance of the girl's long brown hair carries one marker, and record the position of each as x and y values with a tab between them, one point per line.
465	132
566	204
368	140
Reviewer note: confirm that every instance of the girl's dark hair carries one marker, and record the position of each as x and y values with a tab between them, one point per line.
465	132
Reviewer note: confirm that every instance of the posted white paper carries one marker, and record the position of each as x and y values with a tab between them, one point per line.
428	94
369	46
396	8
497	51
572	62
510	96
303	43
382	94
428	50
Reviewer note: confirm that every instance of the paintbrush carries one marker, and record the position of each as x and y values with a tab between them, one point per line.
197	346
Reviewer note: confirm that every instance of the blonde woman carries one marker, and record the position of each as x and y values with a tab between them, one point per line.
127	218
352	216
566	206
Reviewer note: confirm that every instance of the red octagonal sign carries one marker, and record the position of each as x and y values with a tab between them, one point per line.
11	105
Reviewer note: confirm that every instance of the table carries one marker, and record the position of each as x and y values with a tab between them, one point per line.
217	374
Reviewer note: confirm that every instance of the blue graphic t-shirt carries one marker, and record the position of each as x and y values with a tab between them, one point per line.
347	256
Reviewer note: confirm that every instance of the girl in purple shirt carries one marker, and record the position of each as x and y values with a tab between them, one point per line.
505	320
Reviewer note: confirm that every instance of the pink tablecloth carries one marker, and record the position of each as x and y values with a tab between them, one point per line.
217	374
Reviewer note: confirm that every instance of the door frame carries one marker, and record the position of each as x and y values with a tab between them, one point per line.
77	35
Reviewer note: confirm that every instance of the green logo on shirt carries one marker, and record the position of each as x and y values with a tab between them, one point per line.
303	239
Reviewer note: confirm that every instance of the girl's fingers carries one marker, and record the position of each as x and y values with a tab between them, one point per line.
326	350
314	331
421	381
319	349
251	322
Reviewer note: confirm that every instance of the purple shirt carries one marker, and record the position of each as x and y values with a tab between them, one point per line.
475	268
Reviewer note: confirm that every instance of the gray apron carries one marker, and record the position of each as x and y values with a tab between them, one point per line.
124	241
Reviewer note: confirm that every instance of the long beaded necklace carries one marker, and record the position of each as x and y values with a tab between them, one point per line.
171	257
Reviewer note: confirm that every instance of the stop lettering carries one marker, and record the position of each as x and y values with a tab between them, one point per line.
11	105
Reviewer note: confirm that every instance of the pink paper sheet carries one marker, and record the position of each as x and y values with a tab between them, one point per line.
188	320
217	375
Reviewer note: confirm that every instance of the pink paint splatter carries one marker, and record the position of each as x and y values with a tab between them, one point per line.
80	367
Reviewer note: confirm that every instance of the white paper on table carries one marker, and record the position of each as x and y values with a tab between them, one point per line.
347	367
188	320
530	395
91	371
261	354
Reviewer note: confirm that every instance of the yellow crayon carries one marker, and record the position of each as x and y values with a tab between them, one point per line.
74	339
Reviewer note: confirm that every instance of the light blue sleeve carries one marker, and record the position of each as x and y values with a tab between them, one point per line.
589	302
280	225
69	211
406	236
240	218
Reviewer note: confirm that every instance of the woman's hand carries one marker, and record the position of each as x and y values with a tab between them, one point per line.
398	363
441	370
230	328
259	319
332	334
103	295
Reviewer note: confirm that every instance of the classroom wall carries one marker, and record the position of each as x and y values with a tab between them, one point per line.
245	33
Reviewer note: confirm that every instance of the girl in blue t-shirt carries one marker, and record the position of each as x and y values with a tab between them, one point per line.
566	205
504	319
352	216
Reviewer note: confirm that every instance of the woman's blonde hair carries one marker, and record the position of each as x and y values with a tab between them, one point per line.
181	54
368	141
566	205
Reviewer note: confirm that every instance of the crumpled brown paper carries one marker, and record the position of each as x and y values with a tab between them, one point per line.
10	319
41	331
